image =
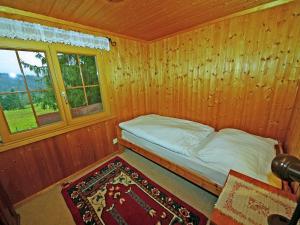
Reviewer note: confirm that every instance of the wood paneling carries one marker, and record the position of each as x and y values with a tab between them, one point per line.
130	83
8	215
142	19
242	72
28	169
31	168
293	136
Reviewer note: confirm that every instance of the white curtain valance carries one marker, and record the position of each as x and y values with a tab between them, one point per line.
31	31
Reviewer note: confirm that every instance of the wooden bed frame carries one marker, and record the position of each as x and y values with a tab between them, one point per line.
177	169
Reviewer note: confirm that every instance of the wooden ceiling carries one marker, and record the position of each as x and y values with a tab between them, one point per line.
142	19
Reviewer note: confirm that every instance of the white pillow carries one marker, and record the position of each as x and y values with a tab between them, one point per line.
247	136
240	151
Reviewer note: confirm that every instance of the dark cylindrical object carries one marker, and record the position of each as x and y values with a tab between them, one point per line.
296	215
286	167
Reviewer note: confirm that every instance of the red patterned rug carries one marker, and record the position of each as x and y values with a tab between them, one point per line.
116	193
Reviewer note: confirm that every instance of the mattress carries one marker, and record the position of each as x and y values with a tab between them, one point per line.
191	163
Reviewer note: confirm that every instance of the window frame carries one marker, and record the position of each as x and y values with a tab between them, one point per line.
67	123
100	64
7	136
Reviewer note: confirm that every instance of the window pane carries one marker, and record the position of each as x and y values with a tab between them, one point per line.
35	67
93	95
76	97
18	112
22	73
89	69
94	103
46	108
87	110
82	84
11	78
69	69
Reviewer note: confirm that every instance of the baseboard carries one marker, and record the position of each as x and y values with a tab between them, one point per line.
60	182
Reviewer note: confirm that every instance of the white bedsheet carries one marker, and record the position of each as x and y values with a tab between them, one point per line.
177	135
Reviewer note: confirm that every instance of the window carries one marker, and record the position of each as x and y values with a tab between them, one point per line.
45	88
81	82
26	91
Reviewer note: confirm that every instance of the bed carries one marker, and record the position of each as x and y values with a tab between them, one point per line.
198	153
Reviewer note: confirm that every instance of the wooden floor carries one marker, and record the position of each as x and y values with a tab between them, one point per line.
49	208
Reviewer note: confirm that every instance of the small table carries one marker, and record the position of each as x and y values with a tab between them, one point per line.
247	201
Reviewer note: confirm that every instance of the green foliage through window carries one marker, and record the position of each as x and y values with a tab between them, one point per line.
80	78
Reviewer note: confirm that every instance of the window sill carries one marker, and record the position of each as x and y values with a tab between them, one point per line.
36	138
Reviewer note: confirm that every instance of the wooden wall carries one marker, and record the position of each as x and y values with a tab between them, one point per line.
242	72
29	169
293	136
130	84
